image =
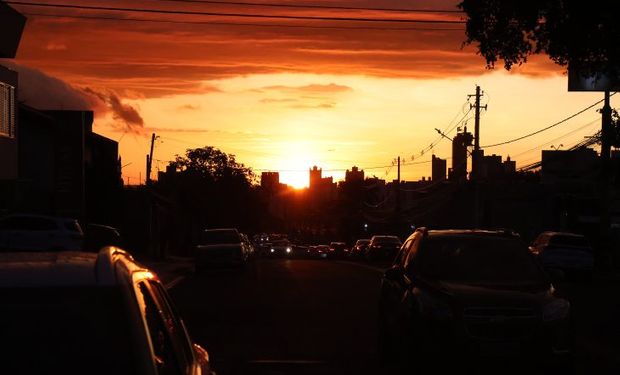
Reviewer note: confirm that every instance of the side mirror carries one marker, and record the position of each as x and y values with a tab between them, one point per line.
394	273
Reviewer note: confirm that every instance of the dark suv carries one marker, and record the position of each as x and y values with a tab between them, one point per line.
470	294
86	313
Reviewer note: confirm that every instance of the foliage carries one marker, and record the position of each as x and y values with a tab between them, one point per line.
582	34
214	165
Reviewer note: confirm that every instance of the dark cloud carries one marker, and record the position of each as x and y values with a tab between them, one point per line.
189	107
42	91
129	116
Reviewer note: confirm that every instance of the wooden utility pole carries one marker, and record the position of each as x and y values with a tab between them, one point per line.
397	208
606	141
476	156
149	160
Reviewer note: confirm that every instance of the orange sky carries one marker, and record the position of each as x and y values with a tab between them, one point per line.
286	98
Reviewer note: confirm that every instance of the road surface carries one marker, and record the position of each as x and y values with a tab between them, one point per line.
297	317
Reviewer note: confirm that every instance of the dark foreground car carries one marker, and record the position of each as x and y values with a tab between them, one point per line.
358	250
567	252
85	313
468	295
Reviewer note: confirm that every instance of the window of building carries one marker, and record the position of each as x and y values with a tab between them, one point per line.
7	110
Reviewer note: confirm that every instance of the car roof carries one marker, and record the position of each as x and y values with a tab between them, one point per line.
567	234
37	216
67	268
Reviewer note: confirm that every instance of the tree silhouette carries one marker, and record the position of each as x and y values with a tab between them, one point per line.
582	34
213	165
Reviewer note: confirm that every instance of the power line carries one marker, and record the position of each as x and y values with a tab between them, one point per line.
548	127
217	23
240	15
313	6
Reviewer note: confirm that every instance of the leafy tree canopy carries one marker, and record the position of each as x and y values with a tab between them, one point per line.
214	165
584	34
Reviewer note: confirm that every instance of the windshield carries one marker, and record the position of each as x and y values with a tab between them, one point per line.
65	331
478	260
387	241
572	241
219	237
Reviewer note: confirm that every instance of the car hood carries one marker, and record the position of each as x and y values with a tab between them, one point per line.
221	246
481	294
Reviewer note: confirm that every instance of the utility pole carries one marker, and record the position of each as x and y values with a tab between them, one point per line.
606	140
475	160
397	208
149	161
477	154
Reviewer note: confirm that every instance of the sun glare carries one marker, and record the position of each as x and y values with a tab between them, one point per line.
295	163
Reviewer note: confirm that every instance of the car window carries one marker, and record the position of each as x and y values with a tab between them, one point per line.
161	342
402	253
567	240
180	340
218	237
411	254
478	260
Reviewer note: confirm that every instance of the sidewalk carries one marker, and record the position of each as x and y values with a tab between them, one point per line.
171	270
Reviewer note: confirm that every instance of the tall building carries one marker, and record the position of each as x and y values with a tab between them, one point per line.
510	166
460	142
315	177
270	181
491	167
354	175
439	167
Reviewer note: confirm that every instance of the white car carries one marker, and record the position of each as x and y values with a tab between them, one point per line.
568	252
23	232
221	247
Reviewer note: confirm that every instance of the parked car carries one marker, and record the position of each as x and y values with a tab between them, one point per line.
338	250
97	236
77	312
382	248
249	245
24	232
221	247
470	294
357	251
568	252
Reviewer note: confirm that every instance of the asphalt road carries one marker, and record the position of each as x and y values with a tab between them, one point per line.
301	317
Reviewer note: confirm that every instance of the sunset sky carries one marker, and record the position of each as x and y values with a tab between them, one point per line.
286	94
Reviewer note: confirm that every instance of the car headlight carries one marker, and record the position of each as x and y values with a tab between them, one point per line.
557	309
288	249
273	250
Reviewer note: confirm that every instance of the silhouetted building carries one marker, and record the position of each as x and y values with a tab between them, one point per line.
316	175
270	181
8	124
439	167
321	188
569	166
12	27
460	142
65	168
510	166
491	167
354	175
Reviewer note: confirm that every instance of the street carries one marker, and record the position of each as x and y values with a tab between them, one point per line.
282	316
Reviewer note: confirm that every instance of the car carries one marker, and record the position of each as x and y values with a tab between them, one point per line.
382	247
338	250
568	252
98	236
357	251
97	313
221	247
27	232
249	245
281	248
467	295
